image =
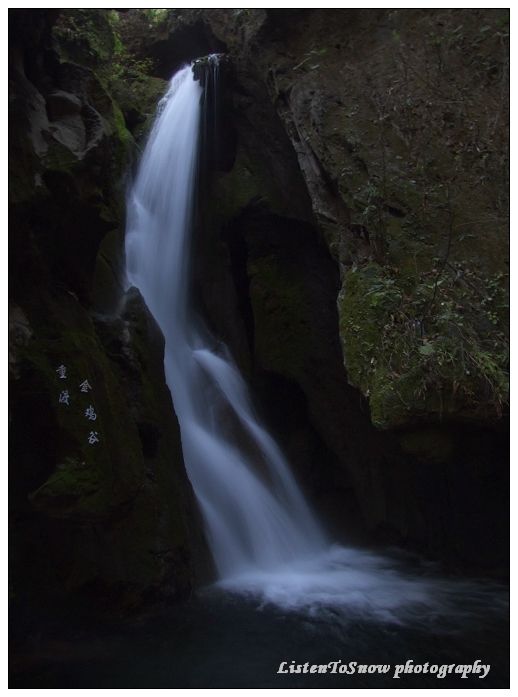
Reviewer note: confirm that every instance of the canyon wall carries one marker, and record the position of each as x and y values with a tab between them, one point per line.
351	249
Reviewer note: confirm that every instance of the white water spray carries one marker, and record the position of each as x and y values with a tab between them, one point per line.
254	520
263	535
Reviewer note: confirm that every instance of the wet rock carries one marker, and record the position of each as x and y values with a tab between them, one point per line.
101	509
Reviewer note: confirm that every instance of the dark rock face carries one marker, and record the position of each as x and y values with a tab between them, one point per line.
391	188
100	503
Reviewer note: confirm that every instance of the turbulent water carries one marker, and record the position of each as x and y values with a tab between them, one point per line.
265	540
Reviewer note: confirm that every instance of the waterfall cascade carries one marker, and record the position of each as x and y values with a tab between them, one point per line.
254	518
263	535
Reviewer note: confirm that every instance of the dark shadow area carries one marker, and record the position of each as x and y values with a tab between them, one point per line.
219	640
187	43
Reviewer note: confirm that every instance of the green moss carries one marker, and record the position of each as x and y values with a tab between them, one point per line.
122	132
160	539
90	479
360	320
86	37
247	182
76	488
281	328
108	272
60	158
138	98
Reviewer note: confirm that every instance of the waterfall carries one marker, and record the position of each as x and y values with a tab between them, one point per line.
264	538
256	516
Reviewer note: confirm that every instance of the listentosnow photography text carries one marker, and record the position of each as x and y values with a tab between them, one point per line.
409	667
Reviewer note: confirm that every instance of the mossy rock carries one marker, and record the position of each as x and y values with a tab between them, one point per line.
413	347
107	284
99	463
249	183
101	503
138	100
118	513
283	341
85	36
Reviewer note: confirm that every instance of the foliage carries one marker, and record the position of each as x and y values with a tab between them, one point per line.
420	151
156	16
459	357
85	36
125	64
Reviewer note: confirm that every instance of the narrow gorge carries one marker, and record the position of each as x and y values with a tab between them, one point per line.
258	344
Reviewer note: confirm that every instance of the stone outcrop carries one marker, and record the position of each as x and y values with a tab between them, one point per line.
100	504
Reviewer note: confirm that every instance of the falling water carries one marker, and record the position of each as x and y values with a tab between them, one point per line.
254	518
264	538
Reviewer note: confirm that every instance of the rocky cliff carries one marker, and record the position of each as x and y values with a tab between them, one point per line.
100	504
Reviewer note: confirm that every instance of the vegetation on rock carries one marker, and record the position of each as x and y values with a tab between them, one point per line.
413	140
